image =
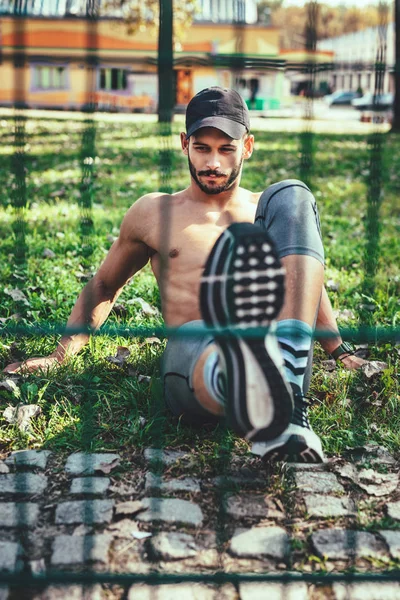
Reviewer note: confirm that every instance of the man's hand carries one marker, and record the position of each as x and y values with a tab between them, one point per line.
32	364
352	362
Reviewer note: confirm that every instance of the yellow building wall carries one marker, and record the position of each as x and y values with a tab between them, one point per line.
69	42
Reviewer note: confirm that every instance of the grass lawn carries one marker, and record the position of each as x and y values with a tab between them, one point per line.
91	403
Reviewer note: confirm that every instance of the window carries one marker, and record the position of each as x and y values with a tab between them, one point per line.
113	79
50	78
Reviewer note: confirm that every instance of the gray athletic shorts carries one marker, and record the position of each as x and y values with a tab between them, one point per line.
288	211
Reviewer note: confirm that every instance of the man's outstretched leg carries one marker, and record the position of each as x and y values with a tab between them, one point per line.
243	287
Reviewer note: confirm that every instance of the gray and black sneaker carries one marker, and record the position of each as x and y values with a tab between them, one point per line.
298	443
242	289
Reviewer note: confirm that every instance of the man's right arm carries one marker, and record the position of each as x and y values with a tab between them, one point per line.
127	255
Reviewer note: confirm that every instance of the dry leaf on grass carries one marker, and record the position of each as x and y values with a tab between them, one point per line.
10	386
150	341
144	379
374	483
145	306
129	508
373	367
120	358
141	535
16	295
21	415
106	468
47	253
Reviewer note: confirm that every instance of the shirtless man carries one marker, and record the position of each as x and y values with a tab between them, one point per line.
232	260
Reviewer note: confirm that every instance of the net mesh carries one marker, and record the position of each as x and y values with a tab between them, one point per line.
91	135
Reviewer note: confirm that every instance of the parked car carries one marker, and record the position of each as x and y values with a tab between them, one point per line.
367	102
340	97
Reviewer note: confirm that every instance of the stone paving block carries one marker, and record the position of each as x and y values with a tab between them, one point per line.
84	511
18	514
171	510
166	457
70	592
181	591
173	546
29	458
273	591
79	549
393	510
317	482
392	538
250	506
9	557
81	463
366	591
22	483
89	485
319	505
186	484
260	542
336	544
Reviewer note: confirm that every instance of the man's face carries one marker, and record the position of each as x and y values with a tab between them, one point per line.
215	160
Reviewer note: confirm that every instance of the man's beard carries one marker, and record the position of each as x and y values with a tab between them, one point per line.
216	189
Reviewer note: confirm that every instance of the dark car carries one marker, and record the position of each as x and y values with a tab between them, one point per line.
367	102
340	97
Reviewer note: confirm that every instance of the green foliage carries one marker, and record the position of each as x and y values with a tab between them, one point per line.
90	403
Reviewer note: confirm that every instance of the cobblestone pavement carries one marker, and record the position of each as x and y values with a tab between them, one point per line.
157	513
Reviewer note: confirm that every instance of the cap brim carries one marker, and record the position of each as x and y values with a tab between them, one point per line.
231	128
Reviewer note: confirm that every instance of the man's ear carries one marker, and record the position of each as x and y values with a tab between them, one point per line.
248	146
184	143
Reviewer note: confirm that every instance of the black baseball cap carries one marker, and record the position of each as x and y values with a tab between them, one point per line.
218	107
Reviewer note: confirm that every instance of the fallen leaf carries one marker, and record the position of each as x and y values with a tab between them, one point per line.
332	285
106	468
82	530
21	415
119	310
150	341
38	566
145	306
58	193
4	468
120	358
144	379
374	483
16	295
141	535
328	365
129	508
10	386
15	316
47	253
123	529
373	367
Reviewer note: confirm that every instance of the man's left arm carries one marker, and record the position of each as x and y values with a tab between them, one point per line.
326	321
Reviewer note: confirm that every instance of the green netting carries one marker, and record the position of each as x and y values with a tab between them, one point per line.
89	136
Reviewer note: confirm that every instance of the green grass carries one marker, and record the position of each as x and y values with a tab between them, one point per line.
90	403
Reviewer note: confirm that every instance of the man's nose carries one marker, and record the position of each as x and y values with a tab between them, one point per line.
213	161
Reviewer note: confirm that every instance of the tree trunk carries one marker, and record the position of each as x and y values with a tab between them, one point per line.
396	106
166	88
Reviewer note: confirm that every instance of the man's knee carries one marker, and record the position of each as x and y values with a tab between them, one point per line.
288	211
290	196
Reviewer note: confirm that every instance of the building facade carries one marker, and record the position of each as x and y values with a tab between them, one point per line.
355	55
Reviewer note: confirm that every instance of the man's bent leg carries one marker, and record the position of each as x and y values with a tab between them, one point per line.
182	354
287	210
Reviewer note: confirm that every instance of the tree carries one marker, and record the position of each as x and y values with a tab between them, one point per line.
396	107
